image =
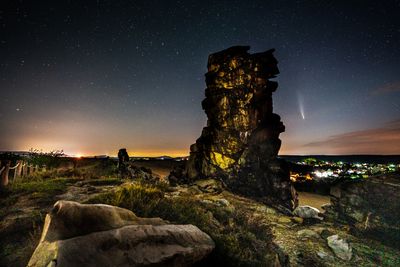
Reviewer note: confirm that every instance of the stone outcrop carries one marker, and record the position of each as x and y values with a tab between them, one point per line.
241	141
101	235
371	206
123	160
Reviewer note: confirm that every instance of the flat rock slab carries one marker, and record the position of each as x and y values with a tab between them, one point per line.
132	245
101	235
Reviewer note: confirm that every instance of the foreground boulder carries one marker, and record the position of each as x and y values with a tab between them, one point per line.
241	141
340	247
101	235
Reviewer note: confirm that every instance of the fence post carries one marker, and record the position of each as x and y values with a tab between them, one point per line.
4	174
25	169
18	170
15	170
30	172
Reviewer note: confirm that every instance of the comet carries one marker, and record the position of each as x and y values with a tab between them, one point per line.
301	105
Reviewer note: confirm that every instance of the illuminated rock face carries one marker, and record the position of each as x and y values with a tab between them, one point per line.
241	141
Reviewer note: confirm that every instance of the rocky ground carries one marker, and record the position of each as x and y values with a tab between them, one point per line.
246	232
303	242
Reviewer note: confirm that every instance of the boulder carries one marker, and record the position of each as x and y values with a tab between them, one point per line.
307	212
340	247
101	235
69	219
209	186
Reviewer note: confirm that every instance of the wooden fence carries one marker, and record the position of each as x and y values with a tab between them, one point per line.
21	169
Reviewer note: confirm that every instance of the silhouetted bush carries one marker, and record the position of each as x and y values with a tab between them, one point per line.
51	159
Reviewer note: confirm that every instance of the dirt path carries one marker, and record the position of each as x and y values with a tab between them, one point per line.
159	167
314	200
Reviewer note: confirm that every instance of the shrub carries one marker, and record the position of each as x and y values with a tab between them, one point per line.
49	159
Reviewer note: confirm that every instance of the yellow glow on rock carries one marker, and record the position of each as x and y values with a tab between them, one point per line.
233	64
213	68
221	161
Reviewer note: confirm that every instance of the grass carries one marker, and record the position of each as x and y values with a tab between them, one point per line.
16	247
37	191
105	181
240	241
20	238
380	256
50	186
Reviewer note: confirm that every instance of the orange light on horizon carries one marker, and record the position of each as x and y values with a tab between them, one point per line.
154	153
135	153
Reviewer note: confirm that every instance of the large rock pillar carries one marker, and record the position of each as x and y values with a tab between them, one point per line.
241	141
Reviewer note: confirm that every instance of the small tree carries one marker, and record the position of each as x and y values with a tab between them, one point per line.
49	159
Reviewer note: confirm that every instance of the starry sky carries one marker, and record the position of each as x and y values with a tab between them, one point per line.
90	77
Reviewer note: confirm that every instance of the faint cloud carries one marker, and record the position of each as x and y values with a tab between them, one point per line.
387	88
384	140
393	124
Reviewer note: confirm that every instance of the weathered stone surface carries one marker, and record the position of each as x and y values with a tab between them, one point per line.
102	235
371	206
241	141
340	247
69	219
307	212
209	186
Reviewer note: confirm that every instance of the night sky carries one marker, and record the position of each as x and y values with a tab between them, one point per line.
90	77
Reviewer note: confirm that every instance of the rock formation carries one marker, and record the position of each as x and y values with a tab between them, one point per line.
123	160
101	235
371	206
241	141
